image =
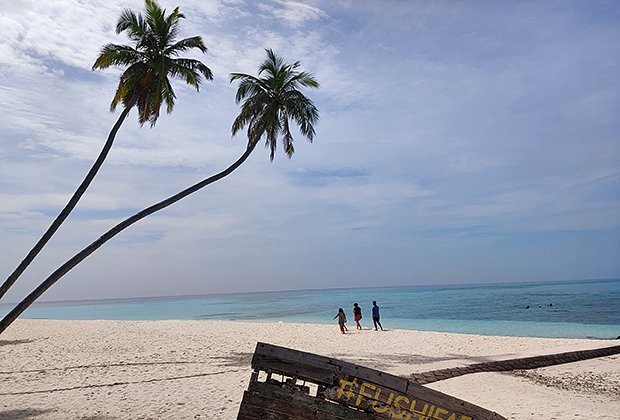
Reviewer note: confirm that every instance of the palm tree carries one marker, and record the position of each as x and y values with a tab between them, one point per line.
269	102
144	83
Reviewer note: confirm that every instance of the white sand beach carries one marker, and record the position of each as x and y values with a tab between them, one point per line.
199	369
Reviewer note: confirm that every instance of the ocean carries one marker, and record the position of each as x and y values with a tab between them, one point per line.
562	309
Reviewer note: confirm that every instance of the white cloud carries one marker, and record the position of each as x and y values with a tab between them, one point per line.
293	13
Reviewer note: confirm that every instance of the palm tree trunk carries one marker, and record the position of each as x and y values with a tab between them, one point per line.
69	206
80	256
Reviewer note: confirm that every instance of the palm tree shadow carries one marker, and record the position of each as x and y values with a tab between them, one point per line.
22	414
13	343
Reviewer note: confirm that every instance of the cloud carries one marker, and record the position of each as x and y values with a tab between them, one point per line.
292	13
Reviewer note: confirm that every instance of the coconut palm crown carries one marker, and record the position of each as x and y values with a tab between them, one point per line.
152	60
271	100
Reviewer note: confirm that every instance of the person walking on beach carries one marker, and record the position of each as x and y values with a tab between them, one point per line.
342	319
376	318
357	315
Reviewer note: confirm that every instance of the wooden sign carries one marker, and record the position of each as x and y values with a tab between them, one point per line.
291	384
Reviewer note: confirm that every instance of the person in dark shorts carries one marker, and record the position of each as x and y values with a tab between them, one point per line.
376	318
357	314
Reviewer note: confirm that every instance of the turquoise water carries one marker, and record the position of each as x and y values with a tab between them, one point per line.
579	309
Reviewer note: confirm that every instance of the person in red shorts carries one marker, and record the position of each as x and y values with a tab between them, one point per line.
357	315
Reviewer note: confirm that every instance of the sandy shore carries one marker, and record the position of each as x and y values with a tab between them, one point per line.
199	369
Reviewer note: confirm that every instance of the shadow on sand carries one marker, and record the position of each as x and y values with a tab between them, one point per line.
14	342
23	414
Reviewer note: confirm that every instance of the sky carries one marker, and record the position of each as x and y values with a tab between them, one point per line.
458	142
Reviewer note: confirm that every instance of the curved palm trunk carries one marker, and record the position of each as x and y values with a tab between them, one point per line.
69	206
79	257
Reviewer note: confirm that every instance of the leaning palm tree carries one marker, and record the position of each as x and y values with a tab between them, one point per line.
144	84
270	101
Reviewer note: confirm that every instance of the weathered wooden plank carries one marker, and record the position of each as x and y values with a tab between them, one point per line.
274	409
273	402
319	368
307	372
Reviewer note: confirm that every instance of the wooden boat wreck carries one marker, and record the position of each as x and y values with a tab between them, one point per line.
291	384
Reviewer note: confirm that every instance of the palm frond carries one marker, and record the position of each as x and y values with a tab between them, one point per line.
287	136
168	95
117	55
272	64
190	71
186	45
155	16
132	24
249	86
171	26
128	84
303	79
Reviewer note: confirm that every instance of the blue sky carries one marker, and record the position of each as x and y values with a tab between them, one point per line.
459	142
